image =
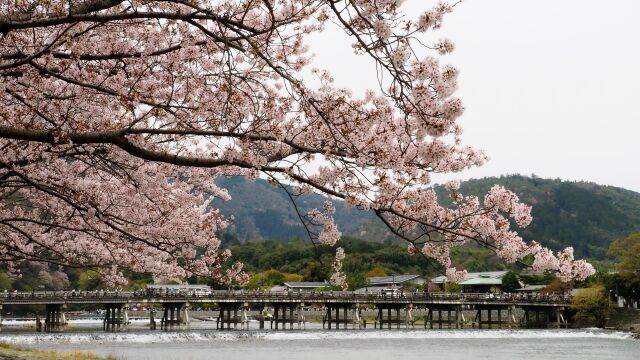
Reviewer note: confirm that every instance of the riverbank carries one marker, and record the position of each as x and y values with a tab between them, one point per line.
12	352
625	320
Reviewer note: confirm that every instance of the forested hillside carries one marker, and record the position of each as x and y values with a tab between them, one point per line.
584	215
266	212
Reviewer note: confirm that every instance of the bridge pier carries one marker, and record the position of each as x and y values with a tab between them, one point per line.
380	319
54	320
448	321
280	315
490	321
116	317
263	314
244	316
332	316
175	315
408	317
545	316
152	319
224	321
302	322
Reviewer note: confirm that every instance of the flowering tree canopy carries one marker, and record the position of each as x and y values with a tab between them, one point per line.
116	115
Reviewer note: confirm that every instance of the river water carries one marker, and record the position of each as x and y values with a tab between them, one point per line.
315	343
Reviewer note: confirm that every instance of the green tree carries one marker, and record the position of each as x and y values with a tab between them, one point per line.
89	280
452	287
357	281
5	281
592	305
626	282
376	271
271	278
510	282
315	271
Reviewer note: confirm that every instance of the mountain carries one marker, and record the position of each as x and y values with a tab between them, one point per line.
261	211
584	215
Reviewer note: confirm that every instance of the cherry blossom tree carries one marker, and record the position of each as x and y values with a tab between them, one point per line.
116	116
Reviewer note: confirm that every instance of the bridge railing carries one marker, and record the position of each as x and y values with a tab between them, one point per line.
308	296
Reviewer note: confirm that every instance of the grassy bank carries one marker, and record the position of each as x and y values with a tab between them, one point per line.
12	352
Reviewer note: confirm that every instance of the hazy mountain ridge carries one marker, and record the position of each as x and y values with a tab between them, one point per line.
584	215
262	211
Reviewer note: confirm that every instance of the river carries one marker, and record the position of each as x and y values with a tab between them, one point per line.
315	343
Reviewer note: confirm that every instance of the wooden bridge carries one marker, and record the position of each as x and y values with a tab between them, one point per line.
290	307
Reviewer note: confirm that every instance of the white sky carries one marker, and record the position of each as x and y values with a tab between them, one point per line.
551	87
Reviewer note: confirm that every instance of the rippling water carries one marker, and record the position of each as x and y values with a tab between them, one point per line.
367	344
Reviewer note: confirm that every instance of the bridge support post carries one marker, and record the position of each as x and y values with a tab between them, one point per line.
116	317
300	315
119	317
244	316
356	317
235	317
346	317
276	310
261	319
54	321
173	316
224	320
152	320
283	317
409	321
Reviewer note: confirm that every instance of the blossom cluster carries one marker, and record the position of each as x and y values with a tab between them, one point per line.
338	278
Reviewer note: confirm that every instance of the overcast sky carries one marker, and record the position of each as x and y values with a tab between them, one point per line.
551	87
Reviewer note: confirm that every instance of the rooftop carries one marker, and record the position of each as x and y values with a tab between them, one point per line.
178	286
307	284
475	275
532	288
397	279
375	290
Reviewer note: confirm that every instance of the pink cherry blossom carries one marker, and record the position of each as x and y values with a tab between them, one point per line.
116	117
